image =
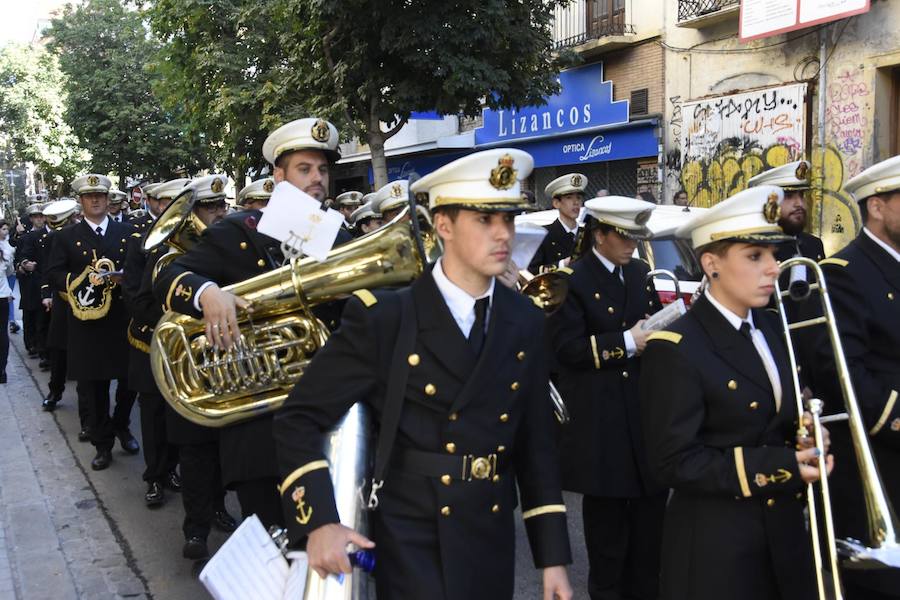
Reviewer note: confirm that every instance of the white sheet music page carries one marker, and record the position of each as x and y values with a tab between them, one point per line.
297	219
248	565
528	240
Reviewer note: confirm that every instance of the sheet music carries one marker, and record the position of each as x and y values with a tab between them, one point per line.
528	240
248	565
297	219
296	583
662	318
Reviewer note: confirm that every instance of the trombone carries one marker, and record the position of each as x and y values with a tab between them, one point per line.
882	522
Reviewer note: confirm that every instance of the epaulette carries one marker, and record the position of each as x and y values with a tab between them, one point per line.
669	336
565	270
840	262
367	297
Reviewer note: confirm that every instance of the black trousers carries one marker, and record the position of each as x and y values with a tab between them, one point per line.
30	324
125	399
160	457
201	486
93	400
4	335
58	376
42	330
623	538
260	497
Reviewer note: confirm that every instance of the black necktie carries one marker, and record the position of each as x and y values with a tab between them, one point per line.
617	274
476	336
745	330
99	231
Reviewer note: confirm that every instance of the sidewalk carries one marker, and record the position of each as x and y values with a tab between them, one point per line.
56	538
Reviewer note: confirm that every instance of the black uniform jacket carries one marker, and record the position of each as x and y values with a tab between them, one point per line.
438	537
734	526
58	329
29	248
558	244
602	448
228	252
140	219
864	285
97	349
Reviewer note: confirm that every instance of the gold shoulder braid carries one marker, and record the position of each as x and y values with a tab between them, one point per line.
90	293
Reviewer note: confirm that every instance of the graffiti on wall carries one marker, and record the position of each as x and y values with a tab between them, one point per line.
726	140
846	120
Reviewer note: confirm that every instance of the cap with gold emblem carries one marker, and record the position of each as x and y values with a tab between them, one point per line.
91	183
488	181
302	134
792	176
880	178
149	188
628	216
573	183
749	216
363	212
169	189
117	196
391	196
34	209
349	199
261	189
60	210
210	188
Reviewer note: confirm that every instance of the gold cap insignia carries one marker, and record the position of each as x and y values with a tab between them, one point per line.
642	217
320	131
93	180
576	180
503	176
217	185
772	210
268	186
396	191
802	172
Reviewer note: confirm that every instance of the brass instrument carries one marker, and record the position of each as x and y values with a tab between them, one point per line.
215	387
882	522
178	227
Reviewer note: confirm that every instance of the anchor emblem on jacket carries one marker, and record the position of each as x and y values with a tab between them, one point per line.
304	511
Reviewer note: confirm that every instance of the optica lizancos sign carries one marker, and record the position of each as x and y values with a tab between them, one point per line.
585	101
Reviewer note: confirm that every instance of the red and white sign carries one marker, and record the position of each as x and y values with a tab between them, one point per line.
762	18
136	194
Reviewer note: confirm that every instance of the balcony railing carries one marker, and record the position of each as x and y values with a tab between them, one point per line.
585	20
695	9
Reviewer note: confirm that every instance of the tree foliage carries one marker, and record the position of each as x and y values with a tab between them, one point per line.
32	114
104	48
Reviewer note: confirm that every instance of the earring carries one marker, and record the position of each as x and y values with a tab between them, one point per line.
715	274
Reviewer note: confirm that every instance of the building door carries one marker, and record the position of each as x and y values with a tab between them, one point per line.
605	17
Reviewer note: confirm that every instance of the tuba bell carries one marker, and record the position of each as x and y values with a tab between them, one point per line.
177	226
276	341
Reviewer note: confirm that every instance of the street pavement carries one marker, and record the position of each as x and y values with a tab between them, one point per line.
69	532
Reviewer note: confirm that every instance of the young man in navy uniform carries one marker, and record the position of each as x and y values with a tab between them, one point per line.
567	193
475	419
231	251
864	283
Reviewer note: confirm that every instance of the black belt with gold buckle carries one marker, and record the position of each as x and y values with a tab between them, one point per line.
466	467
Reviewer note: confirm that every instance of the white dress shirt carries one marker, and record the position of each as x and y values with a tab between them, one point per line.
884	245
460	303
573	230
630	346
103	225
759	341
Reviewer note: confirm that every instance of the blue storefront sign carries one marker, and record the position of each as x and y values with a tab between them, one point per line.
585	101
614	144
421	165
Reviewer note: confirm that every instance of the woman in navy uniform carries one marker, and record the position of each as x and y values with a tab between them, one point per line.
598	337
231	251
476	393
720	420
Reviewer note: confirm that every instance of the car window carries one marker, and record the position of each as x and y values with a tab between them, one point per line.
673	255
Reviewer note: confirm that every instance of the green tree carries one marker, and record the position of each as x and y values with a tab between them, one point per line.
377	61
104	47
32	114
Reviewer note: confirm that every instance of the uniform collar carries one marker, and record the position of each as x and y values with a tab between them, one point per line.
460	303
604	261
880	242
732	318
103	225
574	230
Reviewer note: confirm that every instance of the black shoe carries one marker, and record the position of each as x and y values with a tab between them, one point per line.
14	327
195	549
129	444
50	402
224	522
44	364
102	460
173	481
84	435
154	496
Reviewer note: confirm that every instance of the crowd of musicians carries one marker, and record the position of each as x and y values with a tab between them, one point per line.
683	443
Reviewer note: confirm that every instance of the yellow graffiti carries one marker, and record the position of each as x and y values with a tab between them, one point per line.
834	215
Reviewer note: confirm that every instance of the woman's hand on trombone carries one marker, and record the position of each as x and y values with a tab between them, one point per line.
807	453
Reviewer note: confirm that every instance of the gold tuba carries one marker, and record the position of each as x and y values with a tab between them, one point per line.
178	227
214	387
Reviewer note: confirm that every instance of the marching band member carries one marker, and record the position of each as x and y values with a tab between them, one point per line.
567	194
390	200
720	421
98	318
365	220
346	203
29	277
598	337
116	210
475	419
230	251
864	284
256	195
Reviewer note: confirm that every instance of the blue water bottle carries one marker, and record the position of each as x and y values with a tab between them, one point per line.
363	559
